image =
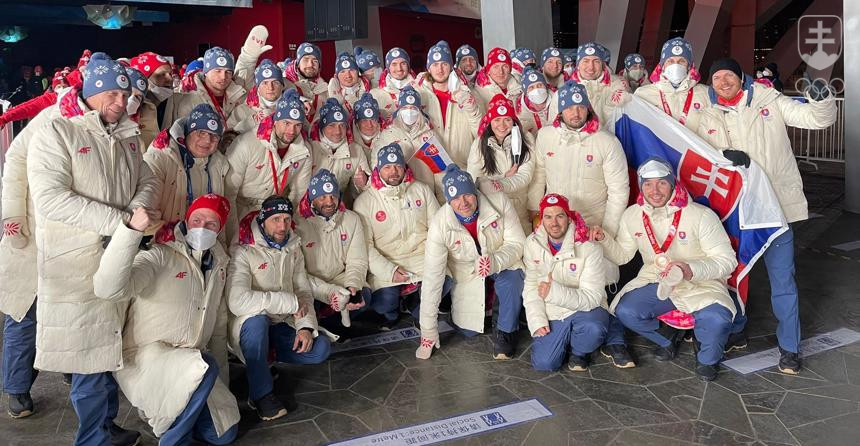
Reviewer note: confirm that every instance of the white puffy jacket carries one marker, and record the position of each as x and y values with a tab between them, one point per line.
265	280
175	313
396	220
450	247
18	266
462	118
700	241
84	180
516	187
757	126
577	276
180	104
676	99
208	175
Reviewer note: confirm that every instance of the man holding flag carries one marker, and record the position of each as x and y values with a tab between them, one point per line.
687	258
746	122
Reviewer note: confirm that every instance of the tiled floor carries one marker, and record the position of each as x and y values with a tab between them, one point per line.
382	388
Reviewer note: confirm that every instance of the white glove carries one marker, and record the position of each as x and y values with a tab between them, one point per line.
338	298
13	232
255	44
425	349
453	81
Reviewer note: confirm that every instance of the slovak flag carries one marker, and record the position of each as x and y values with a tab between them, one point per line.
742	197
433	155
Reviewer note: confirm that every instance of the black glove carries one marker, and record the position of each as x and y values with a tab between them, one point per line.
737	157
819	90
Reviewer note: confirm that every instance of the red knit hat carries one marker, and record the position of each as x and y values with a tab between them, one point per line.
498	107
580	228
213	202
148	62
498	55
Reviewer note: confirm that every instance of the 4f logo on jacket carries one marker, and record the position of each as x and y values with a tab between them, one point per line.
181	274
84	150
263	265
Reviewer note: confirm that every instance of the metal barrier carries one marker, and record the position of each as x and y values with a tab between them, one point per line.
820	145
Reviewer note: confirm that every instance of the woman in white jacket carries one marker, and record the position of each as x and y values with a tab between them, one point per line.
175	336
501	159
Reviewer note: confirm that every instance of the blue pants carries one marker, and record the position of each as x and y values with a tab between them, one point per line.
583	331
509	290
386	301
254	340
195	419
639	308
779	260
94	398
19	352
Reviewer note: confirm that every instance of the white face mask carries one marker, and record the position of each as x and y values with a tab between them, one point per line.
675	73
352	90
133	105
267	103
399	83
201	239
160	93
409	116
537	96
636	73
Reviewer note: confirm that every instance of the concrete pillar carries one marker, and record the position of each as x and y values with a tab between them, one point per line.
514	23
589	13
655	30
618	28
851	55
373	40
705	30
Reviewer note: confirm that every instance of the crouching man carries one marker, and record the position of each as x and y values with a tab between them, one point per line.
174	339
688	259
477	237
270	297
564	296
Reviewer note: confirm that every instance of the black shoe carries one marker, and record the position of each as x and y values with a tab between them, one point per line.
123	437
689	336
577	363
706	372
274	372
789	363
503	347
67	379
20	405
736	341
268	407
388	325
666	353
619	356
670	333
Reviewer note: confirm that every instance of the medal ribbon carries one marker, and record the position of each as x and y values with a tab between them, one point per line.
686	110
278	191
669	237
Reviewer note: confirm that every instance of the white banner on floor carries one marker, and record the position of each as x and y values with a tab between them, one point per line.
816	344
384	338
456	427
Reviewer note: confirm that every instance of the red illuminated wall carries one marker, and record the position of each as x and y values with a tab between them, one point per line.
416	33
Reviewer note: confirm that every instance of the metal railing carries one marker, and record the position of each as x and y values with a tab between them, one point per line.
820	145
